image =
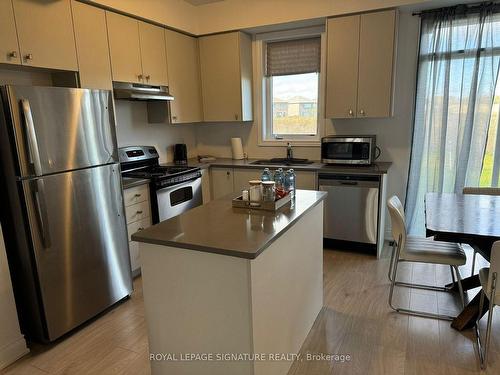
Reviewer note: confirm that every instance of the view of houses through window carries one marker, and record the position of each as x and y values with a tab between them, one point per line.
295	104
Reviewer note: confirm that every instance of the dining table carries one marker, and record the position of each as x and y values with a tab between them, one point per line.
465	219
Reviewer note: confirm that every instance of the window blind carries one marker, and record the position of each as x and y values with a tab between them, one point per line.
295	56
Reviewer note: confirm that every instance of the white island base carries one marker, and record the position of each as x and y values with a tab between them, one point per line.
202	305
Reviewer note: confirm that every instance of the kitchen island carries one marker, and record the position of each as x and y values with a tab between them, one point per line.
231	290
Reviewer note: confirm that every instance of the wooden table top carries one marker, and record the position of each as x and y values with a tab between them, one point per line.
464	218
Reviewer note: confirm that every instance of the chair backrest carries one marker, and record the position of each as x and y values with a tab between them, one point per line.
398	223
481	190
495	267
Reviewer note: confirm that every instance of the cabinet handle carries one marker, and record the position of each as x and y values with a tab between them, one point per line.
351	113
139	77
361	112
13	55
139	212
228	173
148	77
139	229
174	118
29	56
138	195
236	116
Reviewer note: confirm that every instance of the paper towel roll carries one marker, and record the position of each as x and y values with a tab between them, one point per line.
237	148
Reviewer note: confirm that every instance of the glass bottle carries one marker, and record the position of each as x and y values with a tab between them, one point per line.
279	179
266	175
290	179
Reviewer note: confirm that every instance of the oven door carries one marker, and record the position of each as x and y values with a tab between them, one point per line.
347	151
176	199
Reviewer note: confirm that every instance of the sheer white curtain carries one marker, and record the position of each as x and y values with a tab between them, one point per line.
457	79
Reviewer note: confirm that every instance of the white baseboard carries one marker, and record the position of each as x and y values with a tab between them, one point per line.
12	352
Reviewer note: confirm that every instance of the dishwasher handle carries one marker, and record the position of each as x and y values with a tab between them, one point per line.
349	180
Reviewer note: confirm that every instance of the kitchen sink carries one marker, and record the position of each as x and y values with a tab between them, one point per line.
282	161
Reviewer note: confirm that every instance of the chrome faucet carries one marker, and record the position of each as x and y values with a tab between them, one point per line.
289	151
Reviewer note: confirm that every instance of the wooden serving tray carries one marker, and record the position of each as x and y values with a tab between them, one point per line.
261	205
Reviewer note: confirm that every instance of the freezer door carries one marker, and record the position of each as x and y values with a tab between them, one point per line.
61	129
80	244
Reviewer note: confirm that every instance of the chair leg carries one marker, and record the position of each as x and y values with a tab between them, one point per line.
480	348
460	288
452	275
391	264
408	311
490	318
473	262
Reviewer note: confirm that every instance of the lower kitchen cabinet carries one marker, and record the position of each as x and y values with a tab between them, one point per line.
221	181
233	180
242	176
205	185
138	213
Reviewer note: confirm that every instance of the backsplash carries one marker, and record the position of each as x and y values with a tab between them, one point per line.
132	128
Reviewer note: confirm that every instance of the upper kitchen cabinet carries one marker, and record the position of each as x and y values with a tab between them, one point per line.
9	48
92	46
45	34
124	48
360	59
137	50
184	77
153	55
226	77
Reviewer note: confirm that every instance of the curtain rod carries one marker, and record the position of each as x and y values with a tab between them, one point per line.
461	8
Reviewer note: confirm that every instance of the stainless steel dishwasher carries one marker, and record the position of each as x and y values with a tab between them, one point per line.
351	207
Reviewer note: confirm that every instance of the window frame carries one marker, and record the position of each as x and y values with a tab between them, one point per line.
264	97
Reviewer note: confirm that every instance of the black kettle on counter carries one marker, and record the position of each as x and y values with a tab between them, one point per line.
180	154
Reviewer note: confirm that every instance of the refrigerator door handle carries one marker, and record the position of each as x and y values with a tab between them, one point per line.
33	151
38	190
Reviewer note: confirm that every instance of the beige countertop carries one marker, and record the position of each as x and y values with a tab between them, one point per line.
377	168
217	227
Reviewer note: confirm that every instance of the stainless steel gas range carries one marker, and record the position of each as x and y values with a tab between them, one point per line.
174	189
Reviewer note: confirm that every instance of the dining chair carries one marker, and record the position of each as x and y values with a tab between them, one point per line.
488	278
479	191
420	250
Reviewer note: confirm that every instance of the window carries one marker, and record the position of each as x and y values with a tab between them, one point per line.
456	142
292	81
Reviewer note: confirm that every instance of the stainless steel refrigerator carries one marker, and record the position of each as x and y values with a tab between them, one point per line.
62	206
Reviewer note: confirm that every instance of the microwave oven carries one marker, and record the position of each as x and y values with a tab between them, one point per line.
351	150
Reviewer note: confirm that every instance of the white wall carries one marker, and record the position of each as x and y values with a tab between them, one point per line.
133	129
393	134
12	343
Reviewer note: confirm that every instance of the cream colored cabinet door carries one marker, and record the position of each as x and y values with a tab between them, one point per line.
45	34
342	67
92	46
305	180
205	185
183	64
243	175
153	55
222	181
376	57
124	48
225	62
9	48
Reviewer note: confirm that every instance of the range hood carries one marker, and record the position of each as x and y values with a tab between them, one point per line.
138	91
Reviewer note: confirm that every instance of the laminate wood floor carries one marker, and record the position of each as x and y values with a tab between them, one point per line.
356	321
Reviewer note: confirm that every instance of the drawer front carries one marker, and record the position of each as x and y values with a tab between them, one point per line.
135	262
136	194
137	226
137	212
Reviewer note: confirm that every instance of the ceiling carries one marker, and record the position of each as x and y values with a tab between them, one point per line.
201	2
